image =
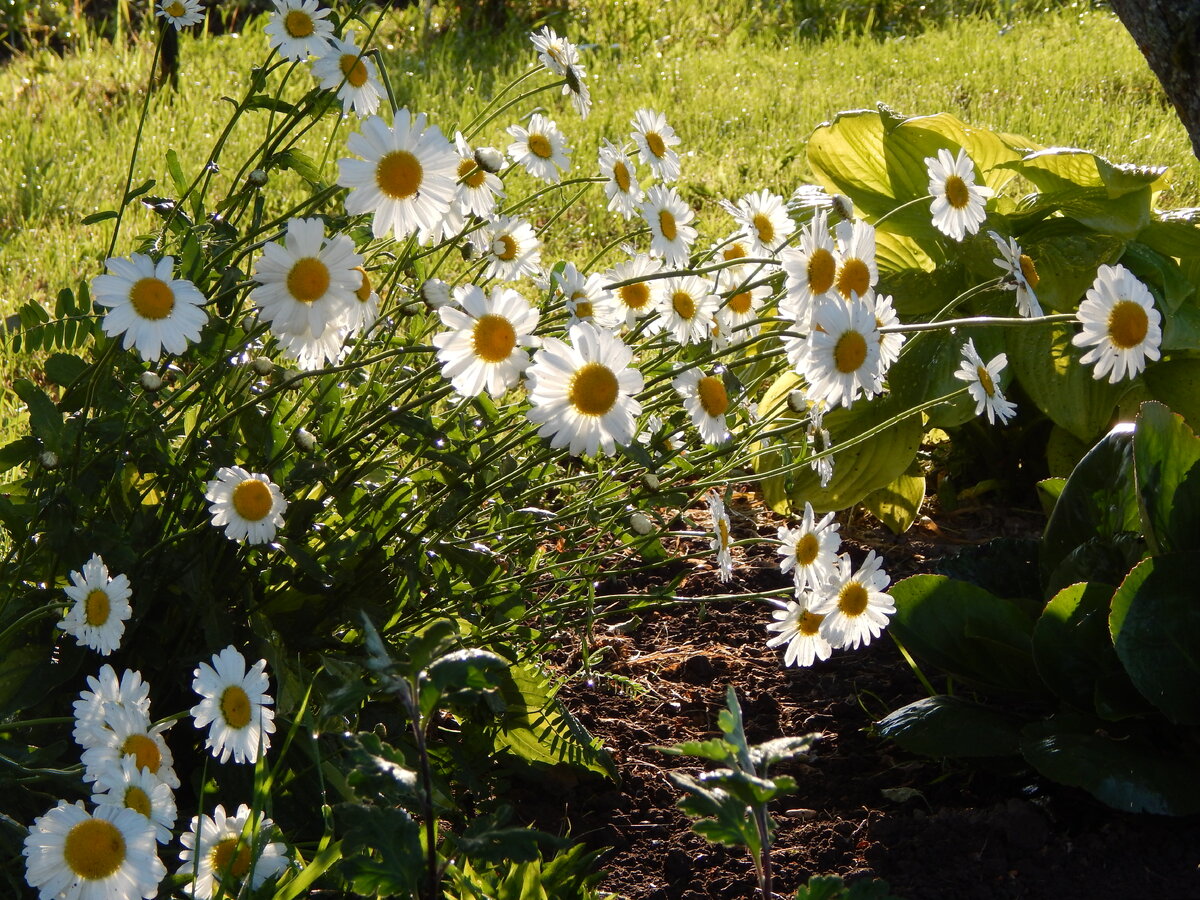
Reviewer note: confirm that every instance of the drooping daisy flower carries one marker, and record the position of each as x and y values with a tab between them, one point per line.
686	308
362	315
958	202
97	619
1120	324
1020	274
854	604
249	506
477	189
819	441
800	629
342	67
843	353
721	542
540	149
809	551
307	283
857	272
109	855
299	29
152	309
654	139
229	851
235	706
811	269
180	13
406	177
585	297
737	319
707	401
121	783
484	348
983	384
583	392
889	344
635	298
512	248
561	57
622	189
107	692
669	218
129	733
763	219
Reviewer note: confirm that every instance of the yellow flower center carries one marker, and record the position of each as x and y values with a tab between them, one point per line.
363	291
821	271
853	599
723	533
740	303
152	298
399	174
985	379
470	174
235	707
735	250
231	857
853	277
1127	324
1029	270
308	280
850	352
298	24
252	500
810	623
584	309
656	144
957	194
175	10
144	751
714	399
666	224
353	68
137	799
539	145
493	338
96	607
94	849
766	231
593	389
683	304
807	549
510	248
635	296
621	177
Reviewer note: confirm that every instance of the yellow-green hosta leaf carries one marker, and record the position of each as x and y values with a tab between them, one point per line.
1062	168
846	157
896	505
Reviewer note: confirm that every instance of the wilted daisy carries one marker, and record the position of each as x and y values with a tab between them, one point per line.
406	177
342	67
721	542
819	441
983	384
229	851
622	188
889	344
1120	325
809	550
583	392
121	783
299	28
707	401
637	298
477	189
235	706
843	352
561	57
248	506
763	219
129	733
654	139
958	202
101	607
686	308
857	272
130	692
585	297
669	218
737	318
154	310
854	604
800	629
484	348
511	247
811	269
108	855
180	13
1021	274
541	149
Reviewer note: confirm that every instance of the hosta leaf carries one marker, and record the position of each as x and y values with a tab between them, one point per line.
1176	382
846	157
1166	462
949	726
1062	168
1067	256
896	505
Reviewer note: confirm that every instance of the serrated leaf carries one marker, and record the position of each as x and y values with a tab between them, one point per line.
393	862
949	726
299	162
715	750
1166	463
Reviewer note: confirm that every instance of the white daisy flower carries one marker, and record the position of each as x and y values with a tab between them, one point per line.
983	384
228	851
721	542
856	271
108	855
101	607
314	351
235	706
669	218
637	298
1120	324
129	733
583	392
512	249
130	693
654	139
478	189
122	784
819	440
585	297
811	269
541	149
299	29
809	550
248	506
738	317
707	402
958	202
342	67
561	57
763	219
889	344
842	361
686	308
406	178
307	283
854	604
800	629
152	309
484	348
180	13
1021	274
736	246
622	189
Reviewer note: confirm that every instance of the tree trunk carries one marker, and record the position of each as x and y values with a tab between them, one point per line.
1168	34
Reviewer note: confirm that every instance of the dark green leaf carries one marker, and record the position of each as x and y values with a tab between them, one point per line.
139	190
63	368
1166	461
1176	382
948	726
98	217
266	101
382	849
299	162
45	419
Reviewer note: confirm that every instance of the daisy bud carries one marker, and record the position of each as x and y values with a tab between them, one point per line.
651	481
304	439
48	459
469	251
435	293
843	207
151	381
257	178
262	365
640	523
249	323
797	401
489	159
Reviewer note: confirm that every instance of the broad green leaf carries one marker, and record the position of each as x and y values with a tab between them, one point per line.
1176	382
949	726
1062	168
987	149
1166	462
1067	256
846	157
1176	236
1004	566
1106	559
1049	490
1063	452
715	750
45	419
1161	274
382	849
63	368
926	370
1071	644
896	505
